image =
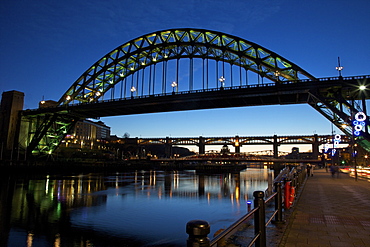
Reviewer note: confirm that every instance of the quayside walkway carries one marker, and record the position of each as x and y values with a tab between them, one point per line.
331	211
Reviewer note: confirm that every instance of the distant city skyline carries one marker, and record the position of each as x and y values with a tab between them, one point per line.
46	46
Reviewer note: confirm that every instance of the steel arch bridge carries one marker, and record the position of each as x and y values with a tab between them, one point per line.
185	69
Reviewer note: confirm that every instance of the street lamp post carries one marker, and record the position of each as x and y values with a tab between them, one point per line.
133	90
339	68
174	85
222	81
366	156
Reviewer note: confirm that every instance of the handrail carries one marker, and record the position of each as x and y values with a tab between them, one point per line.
270	197
236	224
233	226
281	174
199	229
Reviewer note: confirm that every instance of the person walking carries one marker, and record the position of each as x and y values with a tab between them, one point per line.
312	168
309	168
332	170
336	168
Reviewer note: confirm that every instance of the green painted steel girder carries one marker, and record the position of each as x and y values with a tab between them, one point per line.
47	131
175	44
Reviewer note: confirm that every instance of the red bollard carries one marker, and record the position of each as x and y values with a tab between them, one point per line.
292	195
287	193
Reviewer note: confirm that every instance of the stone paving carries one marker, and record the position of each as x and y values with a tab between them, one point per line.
331	211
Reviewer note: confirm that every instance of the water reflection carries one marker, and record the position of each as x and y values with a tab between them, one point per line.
141	208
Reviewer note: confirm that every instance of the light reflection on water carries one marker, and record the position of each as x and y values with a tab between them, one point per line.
142	208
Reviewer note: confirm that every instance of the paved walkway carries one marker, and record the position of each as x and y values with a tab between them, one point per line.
330	212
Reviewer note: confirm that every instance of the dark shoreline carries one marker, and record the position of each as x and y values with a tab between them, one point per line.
73	167
68	167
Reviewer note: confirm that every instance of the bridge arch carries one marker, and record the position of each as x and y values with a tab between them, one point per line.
122	68
162	46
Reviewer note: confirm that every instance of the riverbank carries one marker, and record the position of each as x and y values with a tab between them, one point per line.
83	166
49	166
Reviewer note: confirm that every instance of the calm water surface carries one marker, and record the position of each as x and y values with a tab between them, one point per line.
142	208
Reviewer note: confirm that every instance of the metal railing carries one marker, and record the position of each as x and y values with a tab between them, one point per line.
273	84
199	229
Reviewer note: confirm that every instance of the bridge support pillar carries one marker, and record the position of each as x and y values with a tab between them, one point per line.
315	147
275	147
201	145
237	145
277	168
11	105
168	148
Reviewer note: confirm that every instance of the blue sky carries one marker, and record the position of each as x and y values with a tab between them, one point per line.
47	44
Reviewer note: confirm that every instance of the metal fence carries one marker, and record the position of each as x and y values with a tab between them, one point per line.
285	185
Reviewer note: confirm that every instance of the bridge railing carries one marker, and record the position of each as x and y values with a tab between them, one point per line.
219	89
198	230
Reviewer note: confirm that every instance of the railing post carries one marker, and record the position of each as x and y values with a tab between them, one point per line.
303	175
295	180
259	218
198	231
300	180
278	203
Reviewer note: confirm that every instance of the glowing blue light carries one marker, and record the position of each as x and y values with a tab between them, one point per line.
359	123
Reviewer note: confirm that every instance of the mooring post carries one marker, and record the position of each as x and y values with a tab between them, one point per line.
259	218
198	231
278	203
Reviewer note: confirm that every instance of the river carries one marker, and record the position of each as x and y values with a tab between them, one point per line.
136	208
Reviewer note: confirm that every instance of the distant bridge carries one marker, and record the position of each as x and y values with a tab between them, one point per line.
188	69
238	159
238	141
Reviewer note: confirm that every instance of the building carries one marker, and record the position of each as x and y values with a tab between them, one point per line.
87	134
11	105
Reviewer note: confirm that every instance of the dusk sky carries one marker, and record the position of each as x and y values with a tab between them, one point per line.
47	44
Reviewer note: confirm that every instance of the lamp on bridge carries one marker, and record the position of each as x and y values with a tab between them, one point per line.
339	68
133	90
222	81
174	85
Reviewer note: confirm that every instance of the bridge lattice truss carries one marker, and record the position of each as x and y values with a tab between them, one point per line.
243	140
185	69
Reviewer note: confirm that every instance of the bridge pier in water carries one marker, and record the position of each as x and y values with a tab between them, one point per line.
202	145
275	147
168	148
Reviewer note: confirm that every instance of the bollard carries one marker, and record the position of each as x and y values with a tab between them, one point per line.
287	185
198	231
259	218
249	205
278	203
